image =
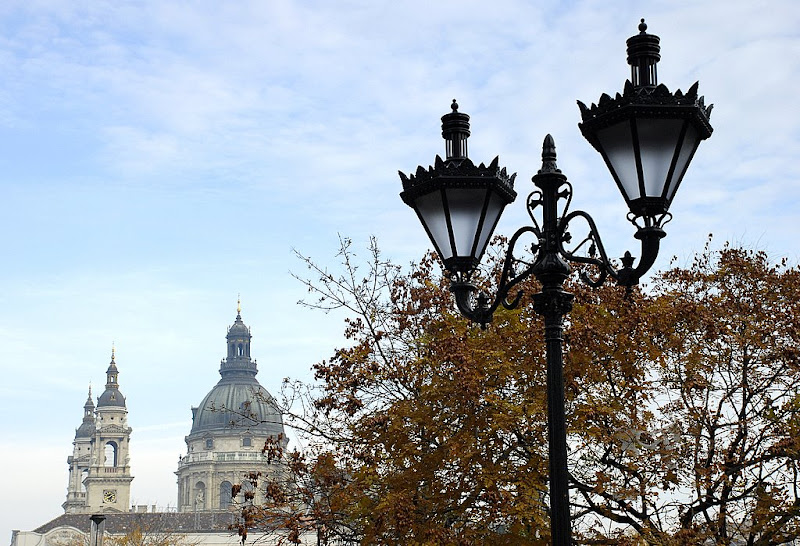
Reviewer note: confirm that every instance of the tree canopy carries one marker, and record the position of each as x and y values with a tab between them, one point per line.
683	411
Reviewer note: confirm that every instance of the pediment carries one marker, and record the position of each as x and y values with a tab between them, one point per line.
113	429
64	536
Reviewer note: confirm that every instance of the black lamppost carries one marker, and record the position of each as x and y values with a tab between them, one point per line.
647	137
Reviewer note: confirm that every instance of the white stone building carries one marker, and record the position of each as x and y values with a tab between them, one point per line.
229	429
99	467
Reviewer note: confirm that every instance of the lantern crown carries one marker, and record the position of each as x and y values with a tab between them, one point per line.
644	52
455	131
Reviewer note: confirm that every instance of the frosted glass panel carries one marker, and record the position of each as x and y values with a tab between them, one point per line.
690	143
431	212
657	141
617	145
466	206
493	212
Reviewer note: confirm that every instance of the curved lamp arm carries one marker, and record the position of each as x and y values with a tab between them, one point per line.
475	305
650	236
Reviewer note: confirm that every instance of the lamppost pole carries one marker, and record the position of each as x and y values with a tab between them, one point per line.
553	303
647	137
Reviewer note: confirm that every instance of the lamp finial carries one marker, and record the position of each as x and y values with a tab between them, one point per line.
644	52
455	131
549	156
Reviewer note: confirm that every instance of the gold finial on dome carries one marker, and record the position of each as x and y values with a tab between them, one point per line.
238	304
113	351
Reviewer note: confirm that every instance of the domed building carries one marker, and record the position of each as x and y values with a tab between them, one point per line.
229	430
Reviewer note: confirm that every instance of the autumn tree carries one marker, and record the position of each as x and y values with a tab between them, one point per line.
682	399
422	429
694	393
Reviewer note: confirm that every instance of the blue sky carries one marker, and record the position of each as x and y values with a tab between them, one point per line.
159	158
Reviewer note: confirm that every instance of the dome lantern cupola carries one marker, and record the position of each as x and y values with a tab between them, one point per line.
111	396
112	374
238	362
88	407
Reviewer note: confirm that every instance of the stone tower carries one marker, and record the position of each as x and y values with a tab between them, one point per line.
80	460
100	473
229	428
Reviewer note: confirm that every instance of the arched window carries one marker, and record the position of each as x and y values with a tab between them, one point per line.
241	350
225	494
110	454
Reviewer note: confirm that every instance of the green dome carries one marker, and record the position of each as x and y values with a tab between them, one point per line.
233	406
238	402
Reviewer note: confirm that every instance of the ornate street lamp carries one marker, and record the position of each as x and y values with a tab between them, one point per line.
647	137
458	202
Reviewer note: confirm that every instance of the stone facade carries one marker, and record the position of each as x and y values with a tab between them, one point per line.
229	429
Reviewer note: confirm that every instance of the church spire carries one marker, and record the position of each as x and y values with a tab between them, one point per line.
87	426
88	407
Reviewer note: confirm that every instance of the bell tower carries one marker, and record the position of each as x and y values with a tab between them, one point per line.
108	481
80	460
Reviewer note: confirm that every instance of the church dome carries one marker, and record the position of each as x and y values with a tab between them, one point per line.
237	406
237	402
86	430
238	328
111	397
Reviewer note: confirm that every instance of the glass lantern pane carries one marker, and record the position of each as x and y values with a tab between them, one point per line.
493	212
433	216
690	143
658	140
466	207
617	148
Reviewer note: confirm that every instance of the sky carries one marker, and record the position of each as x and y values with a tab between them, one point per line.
160	159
